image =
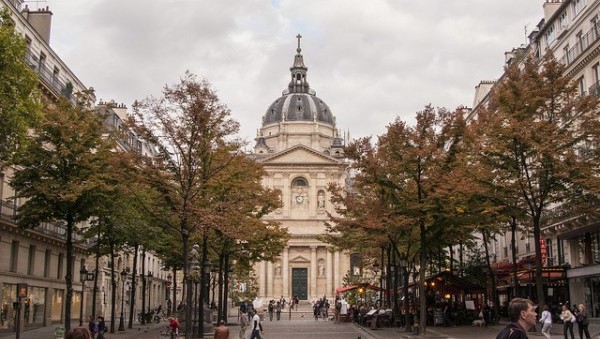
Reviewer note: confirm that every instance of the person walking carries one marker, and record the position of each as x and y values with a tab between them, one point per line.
222	331
92	326
568	319
582	322
101	327
257	328
522	315
278	307
546	321
243	325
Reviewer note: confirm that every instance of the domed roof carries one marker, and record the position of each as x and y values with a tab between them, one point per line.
298	102
298	107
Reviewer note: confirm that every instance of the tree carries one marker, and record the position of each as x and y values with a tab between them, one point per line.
61	174
193	134
412	189
540	137
19	102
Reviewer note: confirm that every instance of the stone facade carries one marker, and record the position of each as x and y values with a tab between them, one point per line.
299	147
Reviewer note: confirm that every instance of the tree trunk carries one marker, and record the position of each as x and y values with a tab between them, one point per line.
96	273
189	303
143	310
539	287
226	286
174	303
132	294
513	249
422	277
113	284
69	276
220	306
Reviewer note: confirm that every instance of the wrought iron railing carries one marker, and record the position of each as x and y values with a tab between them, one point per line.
582	44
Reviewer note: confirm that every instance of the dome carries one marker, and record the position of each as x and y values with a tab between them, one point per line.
298	107
298	102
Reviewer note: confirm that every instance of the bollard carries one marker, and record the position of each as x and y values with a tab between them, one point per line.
59	332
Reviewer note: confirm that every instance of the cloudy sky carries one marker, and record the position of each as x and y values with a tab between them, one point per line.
370	61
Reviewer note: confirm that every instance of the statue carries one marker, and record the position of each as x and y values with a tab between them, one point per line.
321	200
321	269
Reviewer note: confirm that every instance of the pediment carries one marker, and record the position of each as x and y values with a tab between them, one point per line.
300	154
300	259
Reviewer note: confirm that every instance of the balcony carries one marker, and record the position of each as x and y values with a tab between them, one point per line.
54	230
51	80
582	44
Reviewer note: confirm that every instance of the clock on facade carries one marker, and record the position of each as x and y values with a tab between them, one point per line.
299	199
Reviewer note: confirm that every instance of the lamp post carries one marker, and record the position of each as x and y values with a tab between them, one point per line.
121	320
195	275
83	276
207	326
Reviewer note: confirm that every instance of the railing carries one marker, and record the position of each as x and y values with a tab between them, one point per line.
595	89
52	80
584	42
52	229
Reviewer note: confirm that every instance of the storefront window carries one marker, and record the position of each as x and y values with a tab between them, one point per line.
35	306
57	305
592	296
76	305
9	295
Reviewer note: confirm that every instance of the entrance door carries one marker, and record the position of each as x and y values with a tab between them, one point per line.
299	283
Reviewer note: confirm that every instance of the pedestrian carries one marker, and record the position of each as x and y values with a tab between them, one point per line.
582	322
257	328
222	332
546	321
78	333
271	309
296	301
92	326
101	327
174	327
568	319
278	310
522	316
243	325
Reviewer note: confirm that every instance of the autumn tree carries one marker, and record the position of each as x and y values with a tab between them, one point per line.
540	135
410	189
19	100
193	134
61	175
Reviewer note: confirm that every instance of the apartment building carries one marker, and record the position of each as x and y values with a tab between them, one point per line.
571	243
37	257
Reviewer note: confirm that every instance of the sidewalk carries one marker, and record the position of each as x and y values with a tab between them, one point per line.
473	332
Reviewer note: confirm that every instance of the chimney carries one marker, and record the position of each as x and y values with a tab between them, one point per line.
41	20
550	7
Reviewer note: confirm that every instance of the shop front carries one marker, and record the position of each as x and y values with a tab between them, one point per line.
34	306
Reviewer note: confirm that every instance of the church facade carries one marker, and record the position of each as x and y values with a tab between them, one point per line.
300	148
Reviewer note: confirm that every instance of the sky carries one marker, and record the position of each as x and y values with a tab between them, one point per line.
370	61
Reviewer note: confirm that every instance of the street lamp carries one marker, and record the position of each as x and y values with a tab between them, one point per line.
121	320
204	311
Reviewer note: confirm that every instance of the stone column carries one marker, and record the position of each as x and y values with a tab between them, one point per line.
313	273
285	274
336	270
262	281
270	279
329	274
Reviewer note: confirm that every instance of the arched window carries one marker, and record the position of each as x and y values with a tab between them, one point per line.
299	182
